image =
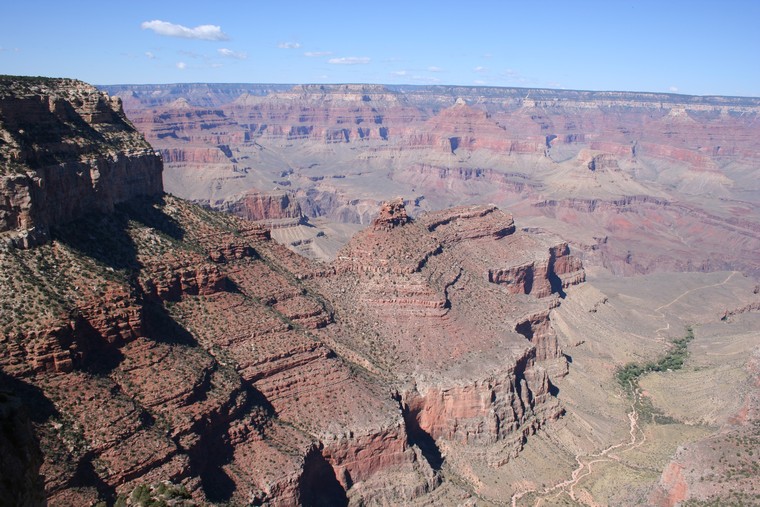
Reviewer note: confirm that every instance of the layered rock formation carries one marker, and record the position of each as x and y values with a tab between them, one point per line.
154	348
185	348
66	149
470	372
651	164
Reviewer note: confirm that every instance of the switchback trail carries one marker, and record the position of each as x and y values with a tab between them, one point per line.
637	438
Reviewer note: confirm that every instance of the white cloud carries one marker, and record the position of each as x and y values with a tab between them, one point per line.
150	55
349	60
479	82
181	65
673	89
479	69
202	32
433	68
317	54
289	45
228	53
399	73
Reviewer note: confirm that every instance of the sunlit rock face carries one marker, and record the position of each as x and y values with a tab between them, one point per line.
616	174
67	149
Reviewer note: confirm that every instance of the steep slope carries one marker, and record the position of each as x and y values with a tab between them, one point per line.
619	175
153	347
65	149
164	342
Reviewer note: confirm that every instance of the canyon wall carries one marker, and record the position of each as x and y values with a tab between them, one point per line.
67	149
649	164
154	347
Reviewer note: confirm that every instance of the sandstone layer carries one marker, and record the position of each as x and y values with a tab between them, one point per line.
618	175
66	149
155	348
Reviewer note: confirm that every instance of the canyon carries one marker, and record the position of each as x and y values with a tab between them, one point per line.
635	182
381	295
147	339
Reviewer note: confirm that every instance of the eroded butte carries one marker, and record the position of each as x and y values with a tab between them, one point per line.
440	353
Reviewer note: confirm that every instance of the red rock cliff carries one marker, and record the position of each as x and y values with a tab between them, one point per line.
67	149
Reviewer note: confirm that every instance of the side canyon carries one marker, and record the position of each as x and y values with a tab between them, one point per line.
376	295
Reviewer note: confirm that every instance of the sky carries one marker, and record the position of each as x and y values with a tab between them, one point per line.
690	47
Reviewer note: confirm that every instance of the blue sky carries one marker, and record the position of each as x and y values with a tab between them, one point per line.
692	47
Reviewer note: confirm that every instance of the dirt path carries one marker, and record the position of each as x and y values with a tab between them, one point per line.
659	309
585	463
637	437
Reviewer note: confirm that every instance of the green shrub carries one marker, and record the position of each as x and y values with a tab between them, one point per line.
628	376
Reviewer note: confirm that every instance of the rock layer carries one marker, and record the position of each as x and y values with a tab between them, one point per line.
646	160
67	149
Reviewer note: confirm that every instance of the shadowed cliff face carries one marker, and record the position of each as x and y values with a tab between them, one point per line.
67	150
619	175
21	483
164	347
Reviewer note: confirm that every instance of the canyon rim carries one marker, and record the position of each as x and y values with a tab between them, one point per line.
377	295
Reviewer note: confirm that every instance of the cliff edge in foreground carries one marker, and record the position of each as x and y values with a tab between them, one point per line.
65	149
152	347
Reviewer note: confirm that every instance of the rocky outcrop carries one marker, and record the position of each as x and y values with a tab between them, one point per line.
441	146
67	150
263	206
392	214
674	487
751	307
412	290
507	407
469	223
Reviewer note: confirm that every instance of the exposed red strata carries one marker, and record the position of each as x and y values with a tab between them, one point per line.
61	347
170	281
674	486
721	240
515	147
191	136
465	127
331	114
621	124
496	408
163	374
68	150
305	383
255	205
537	328
179	344
221	346
392	214
407	291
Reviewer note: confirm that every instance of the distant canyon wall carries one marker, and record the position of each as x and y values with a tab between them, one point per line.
618	174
